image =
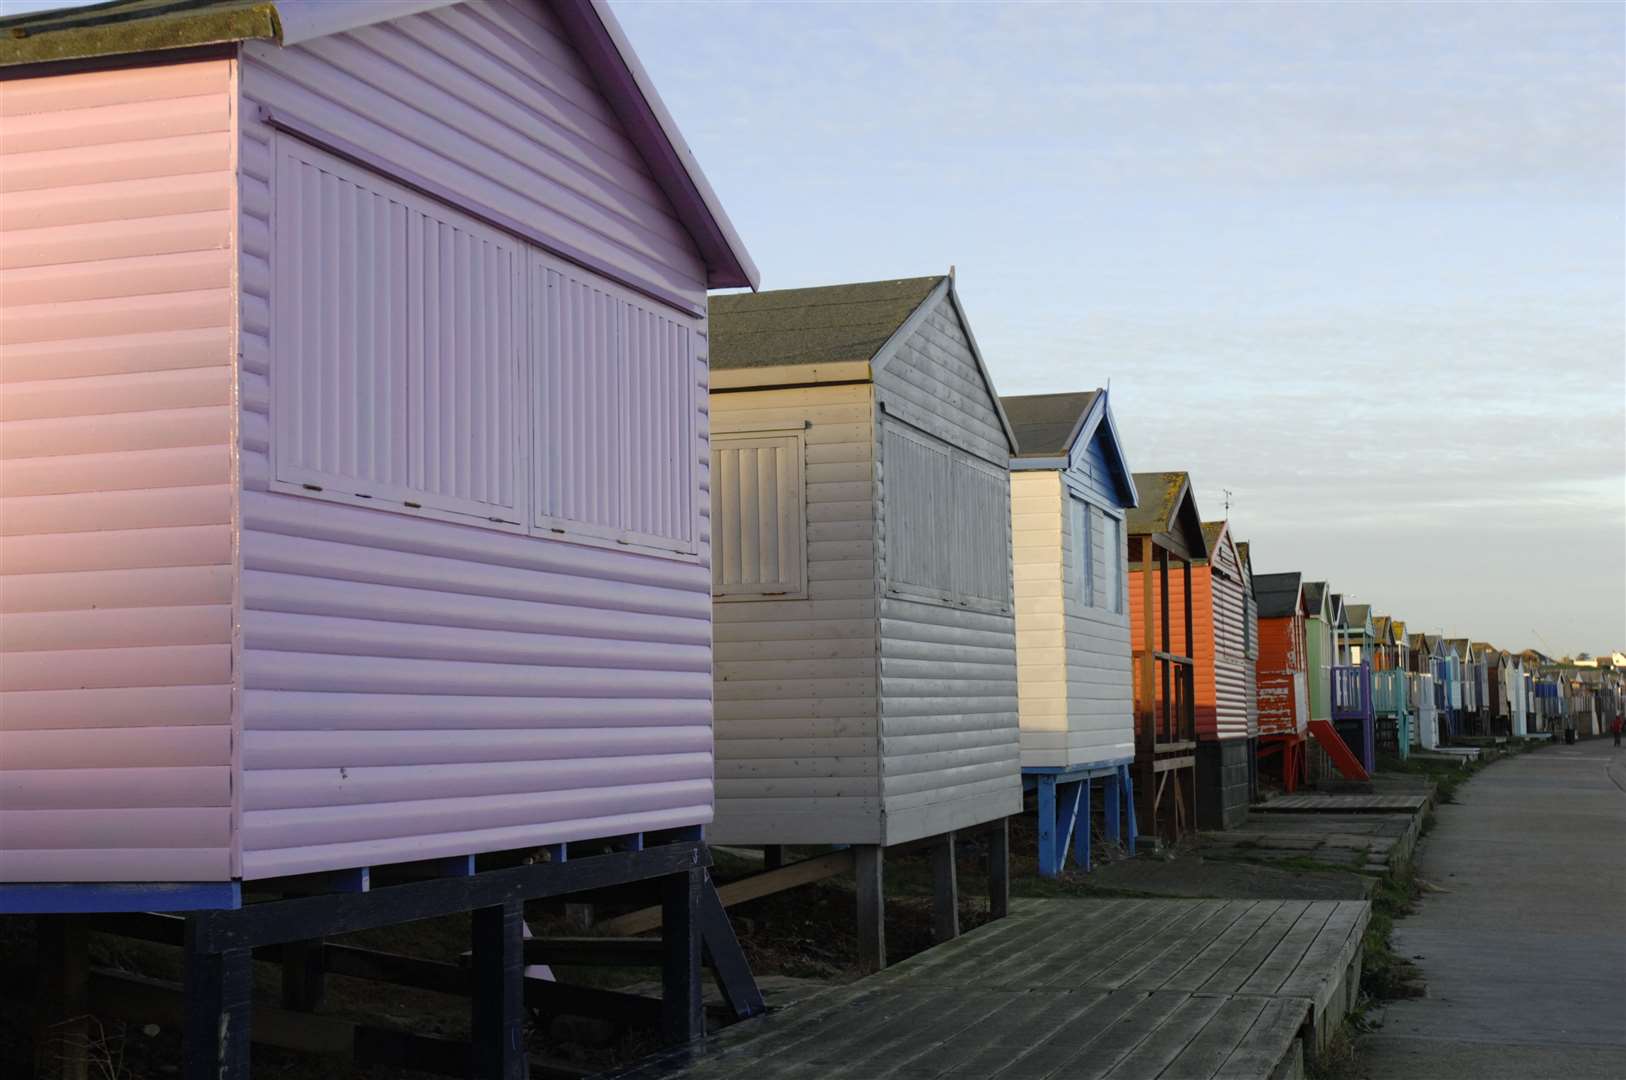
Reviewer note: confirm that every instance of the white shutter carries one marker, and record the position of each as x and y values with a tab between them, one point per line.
398	333
616	393
758	531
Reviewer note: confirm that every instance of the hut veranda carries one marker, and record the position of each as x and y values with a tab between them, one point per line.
865	680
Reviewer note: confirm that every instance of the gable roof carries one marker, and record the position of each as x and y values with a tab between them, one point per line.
1357	614
1047	424
1050	428
1279	595
123	27
1383	628
826	324
1168	508
1315	598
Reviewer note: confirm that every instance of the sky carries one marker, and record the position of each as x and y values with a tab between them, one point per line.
1361	266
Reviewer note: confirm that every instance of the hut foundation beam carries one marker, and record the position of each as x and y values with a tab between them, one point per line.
499	971
999	869
219	989
683	1018
62	1030
945	890
304	976
869	867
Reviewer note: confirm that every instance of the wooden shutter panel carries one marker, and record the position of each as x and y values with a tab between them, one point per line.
616	393
947	517
398	334
758	511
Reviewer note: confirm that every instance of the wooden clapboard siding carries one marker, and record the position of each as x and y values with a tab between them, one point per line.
951	750
116	248
797	725
1219	614
489	99
415	687
931	380
1073	652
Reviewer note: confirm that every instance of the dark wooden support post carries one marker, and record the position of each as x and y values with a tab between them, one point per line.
999	869
868	865
773	856
498	1028
945	890
219	990
62	1029
683	1017
304	977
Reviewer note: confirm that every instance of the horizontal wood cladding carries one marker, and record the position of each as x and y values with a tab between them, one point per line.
797	726
489	99
116	259
951	753
1076	700
414	687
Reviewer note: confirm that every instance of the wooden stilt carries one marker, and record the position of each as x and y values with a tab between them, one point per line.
999	869
304	979
683	1017
945	890
498	1028
62	1023
219	990
868	865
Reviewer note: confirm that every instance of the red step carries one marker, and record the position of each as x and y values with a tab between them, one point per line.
1333	743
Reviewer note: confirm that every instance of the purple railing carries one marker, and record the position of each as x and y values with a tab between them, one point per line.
1352	693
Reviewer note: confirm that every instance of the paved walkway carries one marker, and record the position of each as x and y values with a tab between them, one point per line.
1525	950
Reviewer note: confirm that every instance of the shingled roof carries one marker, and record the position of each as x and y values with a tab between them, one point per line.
1315	596
1168	507
1278	594
823	325
1047	424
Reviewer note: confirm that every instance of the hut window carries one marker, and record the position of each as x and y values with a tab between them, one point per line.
1115	562
1084	551
947	520
758	511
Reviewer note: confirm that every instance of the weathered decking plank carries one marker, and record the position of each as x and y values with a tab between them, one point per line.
1116	990
1342	804
1268	977
1217	1041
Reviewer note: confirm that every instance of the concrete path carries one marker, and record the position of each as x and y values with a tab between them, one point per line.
1525	950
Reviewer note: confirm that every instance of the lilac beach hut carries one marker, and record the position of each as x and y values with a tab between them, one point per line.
355	443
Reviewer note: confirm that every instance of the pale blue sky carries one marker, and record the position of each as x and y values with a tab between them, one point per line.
1363	264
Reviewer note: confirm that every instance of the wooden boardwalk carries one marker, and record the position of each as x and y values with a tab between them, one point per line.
1120	989
1341	804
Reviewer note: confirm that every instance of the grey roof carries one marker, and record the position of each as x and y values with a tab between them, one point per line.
1277	594
823	325
1046	424
1315	593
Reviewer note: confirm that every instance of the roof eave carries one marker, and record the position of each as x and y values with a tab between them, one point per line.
598	36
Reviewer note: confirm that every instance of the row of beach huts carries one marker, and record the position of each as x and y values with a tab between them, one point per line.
384	488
